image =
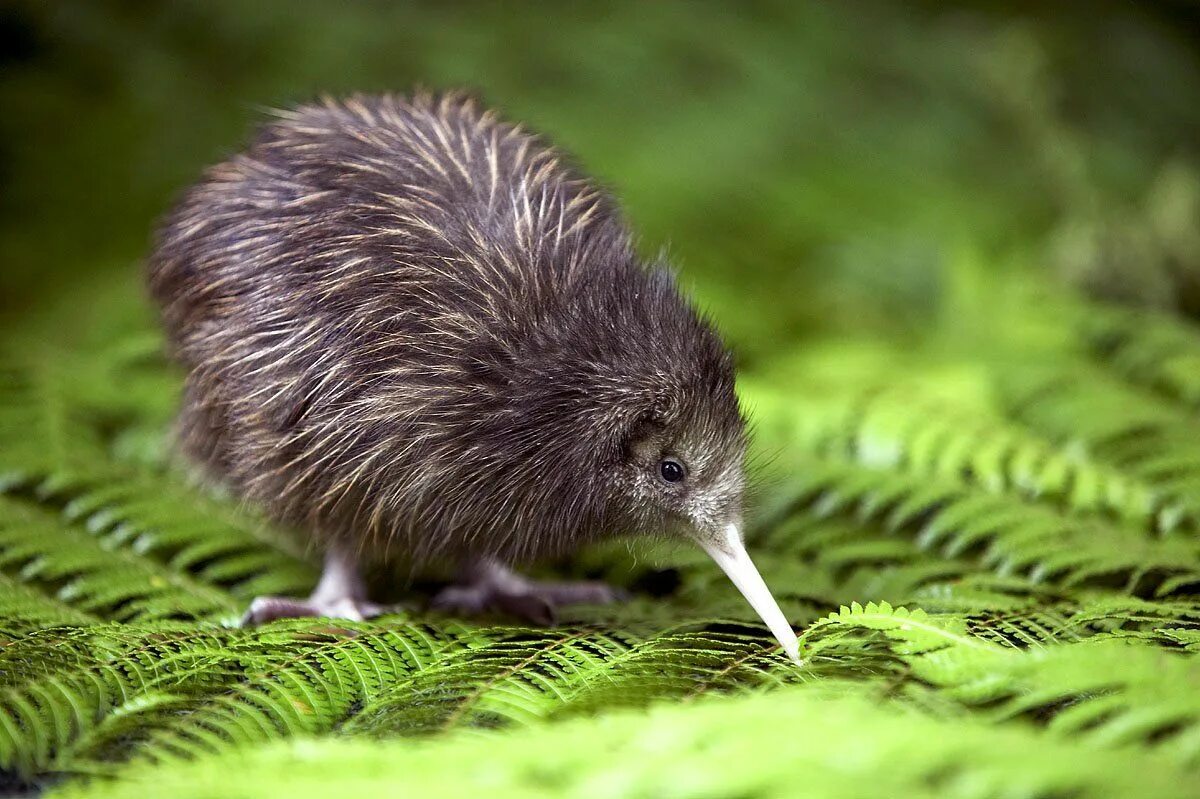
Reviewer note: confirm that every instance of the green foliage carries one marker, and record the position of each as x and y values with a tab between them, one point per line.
1032	578
795	744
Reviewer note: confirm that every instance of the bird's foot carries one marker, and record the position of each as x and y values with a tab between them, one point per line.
341	594
491	587
268	608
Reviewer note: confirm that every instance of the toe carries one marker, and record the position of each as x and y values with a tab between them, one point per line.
467	600
370	610
475	600
342	609
268	608
586	593
531	607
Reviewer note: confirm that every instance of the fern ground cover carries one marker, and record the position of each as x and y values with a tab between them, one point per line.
956	258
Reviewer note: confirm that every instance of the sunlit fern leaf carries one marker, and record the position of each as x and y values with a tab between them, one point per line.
41	549
795	742
22	605
679	663
1118	424
1166	623
31	651
1002	534
1113	693
154	516
523	677
44	714
192	689
1154	350
1187	639
915	631
1034	625
892	430
516	679
304	679
1015	613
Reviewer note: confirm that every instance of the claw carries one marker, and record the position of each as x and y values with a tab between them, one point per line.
269	608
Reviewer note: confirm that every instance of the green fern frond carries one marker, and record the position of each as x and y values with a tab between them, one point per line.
1159	621
1005	535
152	515
1117	423
790	743
298	680
515	679
22	606
76	568
1156	351
86	674
890	430
40	429
1110	693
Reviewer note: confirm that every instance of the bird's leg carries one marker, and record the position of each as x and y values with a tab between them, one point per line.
487	585
340	594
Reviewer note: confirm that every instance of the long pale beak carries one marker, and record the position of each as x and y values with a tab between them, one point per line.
730	554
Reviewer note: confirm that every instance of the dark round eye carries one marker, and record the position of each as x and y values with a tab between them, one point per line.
671	470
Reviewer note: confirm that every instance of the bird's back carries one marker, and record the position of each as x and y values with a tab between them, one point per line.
339	207
357	294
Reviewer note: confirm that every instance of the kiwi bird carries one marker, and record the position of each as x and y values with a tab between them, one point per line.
411	328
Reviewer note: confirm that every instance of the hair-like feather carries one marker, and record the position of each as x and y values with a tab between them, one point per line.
410	326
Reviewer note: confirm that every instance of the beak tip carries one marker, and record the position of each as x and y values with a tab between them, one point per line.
791	647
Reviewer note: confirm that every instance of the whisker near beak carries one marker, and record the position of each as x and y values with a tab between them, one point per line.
730	554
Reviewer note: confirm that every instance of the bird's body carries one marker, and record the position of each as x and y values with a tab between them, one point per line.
410	328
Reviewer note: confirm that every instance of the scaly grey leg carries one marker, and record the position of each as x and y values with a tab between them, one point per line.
340	594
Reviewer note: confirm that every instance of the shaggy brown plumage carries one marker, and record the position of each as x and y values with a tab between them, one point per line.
408	326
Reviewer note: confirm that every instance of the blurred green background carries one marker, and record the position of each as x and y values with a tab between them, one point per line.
814	168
